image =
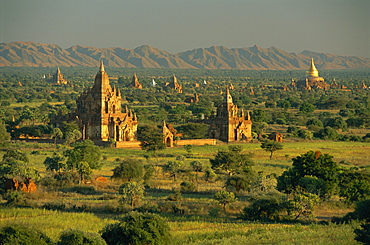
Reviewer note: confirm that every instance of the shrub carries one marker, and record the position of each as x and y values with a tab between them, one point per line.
80	189
22	235
187	186
137	228
264	209
77	237
15	198
363	234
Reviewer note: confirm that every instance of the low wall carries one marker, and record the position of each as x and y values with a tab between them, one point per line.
127	144
196	142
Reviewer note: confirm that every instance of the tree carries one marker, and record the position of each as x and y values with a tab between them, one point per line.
303	204
363	234
131	192
314	124
173	168
193	130
138	229
72	137
327	133
17	234
231	161
311	164
354	185
151	138
55	163
4	135
266	208
225	198
240	182
336	123
197	167
128	170
77	237
15	155
57	133
271	146
15	164
307	107
84	151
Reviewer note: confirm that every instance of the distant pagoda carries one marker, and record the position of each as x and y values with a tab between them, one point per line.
135	82
312	80
58	78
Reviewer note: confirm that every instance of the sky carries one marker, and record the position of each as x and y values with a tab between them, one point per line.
339	27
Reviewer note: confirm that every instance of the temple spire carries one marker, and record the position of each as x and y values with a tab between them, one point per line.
102	66
228	98
312	72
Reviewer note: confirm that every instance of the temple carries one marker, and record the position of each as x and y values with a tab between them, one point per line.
174	84
58	78
312	80
135	82
99	113
229	124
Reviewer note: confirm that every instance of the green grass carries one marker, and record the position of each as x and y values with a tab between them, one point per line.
52	223
196	226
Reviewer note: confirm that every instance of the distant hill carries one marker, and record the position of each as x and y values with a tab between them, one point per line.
215	57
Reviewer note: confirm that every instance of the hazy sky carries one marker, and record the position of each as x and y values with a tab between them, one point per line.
331	26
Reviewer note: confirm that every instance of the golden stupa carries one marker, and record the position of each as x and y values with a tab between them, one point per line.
312	80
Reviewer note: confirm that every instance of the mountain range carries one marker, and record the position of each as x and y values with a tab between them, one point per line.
32	54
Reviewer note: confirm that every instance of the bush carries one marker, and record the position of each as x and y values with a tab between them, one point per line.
15	198
76	237
22	235
137	228
80	189
187	186
363	234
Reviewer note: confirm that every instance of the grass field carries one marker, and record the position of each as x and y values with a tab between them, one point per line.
196	225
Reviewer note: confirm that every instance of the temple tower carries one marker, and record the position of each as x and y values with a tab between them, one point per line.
229	124
100	115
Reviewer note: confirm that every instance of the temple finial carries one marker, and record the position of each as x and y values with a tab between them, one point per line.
102	66
312	72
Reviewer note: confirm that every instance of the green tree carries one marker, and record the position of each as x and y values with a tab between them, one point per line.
314	164
336	123
327	133
72	137
22	235
224	198
4	135
231	161
57	134
193	130
173	168
303	204
197	167
55	163
15	155
84	151
266	208
138	229
314	124
151	139
240	182
77	237
129	170
363	234
354	185
271	146
131	192
307	107
15	164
